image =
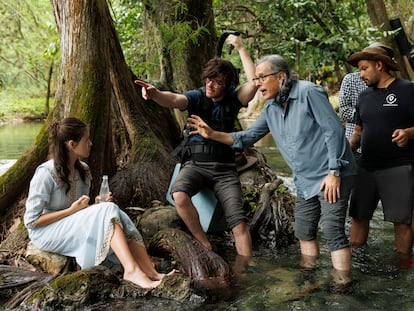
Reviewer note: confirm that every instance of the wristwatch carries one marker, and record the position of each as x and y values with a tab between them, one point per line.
336	172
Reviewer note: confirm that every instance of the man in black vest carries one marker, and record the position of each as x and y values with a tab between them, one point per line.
207	163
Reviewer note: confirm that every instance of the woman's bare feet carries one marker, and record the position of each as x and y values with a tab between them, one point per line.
160	276
141	279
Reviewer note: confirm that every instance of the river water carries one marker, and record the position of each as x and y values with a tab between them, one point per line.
381	281
15	138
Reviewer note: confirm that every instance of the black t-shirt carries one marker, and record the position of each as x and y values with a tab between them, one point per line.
196	101
380	112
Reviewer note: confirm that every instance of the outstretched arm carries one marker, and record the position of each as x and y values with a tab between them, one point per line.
248	90
198	126
162	98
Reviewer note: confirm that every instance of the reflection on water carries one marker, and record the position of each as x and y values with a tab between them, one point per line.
380	281
5	165
274	282
15	138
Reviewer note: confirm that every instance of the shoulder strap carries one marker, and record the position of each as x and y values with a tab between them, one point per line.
206	108
228	111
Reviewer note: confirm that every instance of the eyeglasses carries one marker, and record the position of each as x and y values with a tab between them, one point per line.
214	82
264	78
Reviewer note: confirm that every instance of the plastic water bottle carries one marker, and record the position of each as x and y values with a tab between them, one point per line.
104	191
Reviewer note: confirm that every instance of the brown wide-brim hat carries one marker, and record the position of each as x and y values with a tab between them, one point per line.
243	162
373	53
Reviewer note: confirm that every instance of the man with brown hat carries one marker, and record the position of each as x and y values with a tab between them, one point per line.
385	132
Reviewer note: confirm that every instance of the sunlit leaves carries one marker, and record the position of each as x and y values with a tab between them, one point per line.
308	33
28	43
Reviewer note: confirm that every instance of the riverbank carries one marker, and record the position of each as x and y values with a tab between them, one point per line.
21	106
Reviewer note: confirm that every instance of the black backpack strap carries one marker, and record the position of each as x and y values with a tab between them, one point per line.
203	111
180	147
228	112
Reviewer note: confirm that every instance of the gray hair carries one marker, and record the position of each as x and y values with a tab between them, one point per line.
276	64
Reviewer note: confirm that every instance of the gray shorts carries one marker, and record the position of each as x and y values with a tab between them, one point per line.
222	178
393	186
332	217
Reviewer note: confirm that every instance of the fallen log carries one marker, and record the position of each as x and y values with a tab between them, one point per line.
11	277
207	270
264	204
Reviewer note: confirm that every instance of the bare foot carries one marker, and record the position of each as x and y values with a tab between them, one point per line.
142	280
160	276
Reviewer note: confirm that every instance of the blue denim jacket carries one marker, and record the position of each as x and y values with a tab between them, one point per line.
309	136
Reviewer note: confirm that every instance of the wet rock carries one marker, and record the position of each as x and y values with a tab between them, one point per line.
157	218
51	263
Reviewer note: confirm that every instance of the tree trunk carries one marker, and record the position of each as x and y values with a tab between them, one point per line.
131	137
181	58
48	90
379	17
185	56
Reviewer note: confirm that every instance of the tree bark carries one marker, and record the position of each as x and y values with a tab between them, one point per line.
379	17
131	138
184	62
181	58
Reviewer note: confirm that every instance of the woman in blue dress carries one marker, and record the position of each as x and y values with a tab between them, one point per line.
59	218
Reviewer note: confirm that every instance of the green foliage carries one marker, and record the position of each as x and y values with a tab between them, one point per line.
308	33
283	190
15	104
29	44
127	15
172	35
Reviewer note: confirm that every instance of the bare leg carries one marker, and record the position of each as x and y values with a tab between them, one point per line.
144	261
242	239
403	238
188	213
358	233
341	259
132	271
310	252
240	265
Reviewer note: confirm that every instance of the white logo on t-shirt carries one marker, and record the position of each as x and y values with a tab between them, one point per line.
390	101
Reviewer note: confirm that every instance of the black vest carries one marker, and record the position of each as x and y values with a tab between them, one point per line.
229	108
208	150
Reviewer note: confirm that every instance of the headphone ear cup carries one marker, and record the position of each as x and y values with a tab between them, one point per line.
232	86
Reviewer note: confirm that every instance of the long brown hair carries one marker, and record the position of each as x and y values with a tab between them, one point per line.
60	133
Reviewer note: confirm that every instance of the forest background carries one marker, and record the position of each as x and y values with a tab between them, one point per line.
79	58
315	37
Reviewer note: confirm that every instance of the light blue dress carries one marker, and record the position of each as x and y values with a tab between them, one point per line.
85	234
